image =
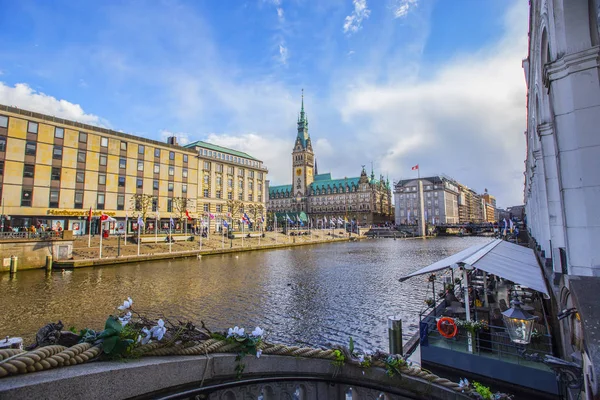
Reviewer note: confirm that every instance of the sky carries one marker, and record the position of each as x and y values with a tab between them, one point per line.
395	83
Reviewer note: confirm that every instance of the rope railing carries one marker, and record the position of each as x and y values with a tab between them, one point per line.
16	361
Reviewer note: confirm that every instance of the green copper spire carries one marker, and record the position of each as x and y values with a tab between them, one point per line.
303	124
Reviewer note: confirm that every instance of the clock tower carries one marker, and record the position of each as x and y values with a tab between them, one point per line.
303	158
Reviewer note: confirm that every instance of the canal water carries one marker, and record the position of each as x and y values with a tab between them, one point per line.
312	295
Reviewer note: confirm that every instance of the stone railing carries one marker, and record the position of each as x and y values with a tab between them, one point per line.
213	377
31	235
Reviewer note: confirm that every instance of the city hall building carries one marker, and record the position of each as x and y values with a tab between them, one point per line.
315	196
52	171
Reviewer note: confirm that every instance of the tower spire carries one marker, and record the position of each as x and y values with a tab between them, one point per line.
303	124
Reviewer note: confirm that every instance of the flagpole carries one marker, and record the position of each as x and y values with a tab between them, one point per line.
243	233
101	234
170	236
223	232
126	221
89	225
138	243
275	230
156	228
259	231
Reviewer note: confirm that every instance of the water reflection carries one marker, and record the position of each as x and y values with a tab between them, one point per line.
313	295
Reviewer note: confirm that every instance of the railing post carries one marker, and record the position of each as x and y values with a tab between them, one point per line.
49	263
395	334
13	264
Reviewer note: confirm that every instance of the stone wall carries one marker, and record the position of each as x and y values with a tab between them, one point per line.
32	253
214	377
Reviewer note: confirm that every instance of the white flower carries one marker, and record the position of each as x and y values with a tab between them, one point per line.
257	332
361	358
258	353
148	334
463	384
126	304
235	331
125	319
159	330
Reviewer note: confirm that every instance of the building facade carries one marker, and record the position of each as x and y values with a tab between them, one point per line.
440	201
52	171
489	202
364	198
562	183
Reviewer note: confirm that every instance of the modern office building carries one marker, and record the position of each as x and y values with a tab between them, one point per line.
440	200
363	198
52	171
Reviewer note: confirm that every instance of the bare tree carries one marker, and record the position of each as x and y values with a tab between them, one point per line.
256	211
180	205
234	207
142	203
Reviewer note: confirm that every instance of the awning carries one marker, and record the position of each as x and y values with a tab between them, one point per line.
501	258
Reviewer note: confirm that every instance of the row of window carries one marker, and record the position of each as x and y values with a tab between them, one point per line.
53	202
59	133
228	157
241	172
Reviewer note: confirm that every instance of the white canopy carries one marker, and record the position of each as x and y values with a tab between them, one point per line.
507	260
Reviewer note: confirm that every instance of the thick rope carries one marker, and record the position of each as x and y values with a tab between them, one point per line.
14	361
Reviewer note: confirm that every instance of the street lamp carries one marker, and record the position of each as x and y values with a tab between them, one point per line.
519	323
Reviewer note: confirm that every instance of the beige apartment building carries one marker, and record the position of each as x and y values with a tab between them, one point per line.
52	171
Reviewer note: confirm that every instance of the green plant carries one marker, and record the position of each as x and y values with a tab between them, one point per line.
339	358
116	342
393	365
430	302
472	326
484	391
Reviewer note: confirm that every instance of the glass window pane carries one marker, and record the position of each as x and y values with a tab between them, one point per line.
83	137
59	132
3	121
104	142
81	156
32	127
140	149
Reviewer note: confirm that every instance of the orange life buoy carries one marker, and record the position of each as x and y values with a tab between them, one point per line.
447	327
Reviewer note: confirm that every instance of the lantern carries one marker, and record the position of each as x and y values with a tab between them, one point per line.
519	323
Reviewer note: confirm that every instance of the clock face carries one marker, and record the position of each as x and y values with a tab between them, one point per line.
299	171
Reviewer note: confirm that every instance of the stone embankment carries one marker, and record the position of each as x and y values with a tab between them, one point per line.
115	251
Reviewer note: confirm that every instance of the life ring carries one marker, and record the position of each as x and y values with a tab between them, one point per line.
447	327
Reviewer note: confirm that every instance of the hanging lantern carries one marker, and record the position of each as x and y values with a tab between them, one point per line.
519	323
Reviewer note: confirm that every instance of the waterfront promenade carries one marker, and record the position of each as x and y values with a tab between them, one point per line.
117	251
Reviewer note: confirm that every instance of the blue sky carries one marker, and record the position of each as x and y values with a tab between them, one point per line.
396	82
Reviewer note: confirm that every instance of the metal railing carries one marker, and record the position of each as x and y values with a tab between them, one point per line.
31	235
492	341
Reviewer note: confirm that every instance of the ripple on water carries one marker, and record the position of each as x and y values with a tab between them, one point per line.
319	295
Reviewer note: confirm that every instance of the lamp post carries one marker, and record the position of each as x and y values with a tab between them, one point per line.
519	323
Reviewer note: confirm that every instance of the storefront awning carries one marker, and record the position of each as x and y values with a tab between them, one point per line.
501	258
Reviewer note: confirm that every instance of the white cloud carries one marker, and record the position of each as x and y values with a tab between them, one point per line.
466	120
283	53
402	7
275	153
350	53
23	96
353	22
280	14
182	137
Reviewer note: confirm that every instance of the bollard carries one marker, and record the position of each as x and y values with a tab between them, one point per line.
13	264
49	263
395	334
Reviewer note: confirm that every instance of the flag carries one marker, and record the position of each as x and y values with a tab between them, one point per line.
245	219
211	215
288	219
228	215
103	217
225	224
415	167
187	214
140	221
90	215
126	220
172	222
511	225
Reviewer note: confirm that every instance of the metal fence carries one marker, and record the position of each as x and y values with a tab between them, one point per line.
31	235
492	341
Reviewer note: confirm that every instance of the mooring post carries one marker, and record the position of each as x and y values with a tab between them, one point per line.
395	334
13	264
49	263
